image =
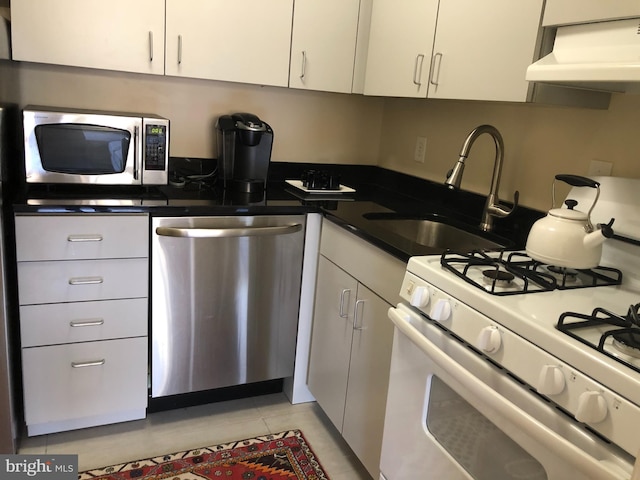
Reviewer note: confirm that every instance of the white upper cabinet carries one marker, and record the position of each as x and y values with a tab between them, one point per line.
400	46
238	41
482	49
114	35
323	46
455	49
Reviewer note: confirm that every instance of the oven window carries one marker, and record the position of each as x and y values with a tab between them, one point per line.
82	149
478	446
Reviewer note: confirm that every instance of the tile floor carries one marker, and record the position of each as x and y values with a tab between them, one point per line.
186	428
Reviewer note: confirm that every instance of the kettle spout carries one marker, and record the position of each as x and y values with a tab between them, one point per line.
599	235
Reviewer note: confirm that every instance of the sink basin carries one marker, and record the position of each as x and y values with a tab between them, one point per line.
435	232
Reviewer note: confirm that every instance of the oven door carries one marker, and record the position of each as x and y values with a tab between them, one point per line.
452	414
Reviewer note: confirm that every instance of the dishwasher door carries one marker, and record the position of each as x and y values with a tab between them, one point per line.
225	299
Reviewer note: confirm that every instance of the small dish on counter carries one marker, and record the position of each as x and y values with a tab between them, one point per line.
299	185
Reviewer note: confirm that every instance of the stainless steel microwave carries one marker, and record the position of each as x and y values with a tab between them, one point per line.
93	147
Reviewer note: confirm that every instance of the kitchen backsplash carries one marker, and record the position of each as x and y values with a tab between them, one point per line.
327	128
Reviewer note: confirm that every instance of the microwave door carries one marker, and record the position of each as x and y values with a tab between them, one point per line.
82	149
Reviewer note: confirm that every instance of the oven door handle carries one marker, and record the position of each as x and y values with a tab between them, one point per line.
534	429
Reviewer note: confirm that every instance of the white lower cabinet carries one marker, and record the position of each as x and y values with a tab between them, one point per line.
352	337
90	382
83	323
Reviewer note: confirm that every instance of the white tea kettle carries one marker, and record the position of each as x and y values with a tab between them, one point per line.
566	237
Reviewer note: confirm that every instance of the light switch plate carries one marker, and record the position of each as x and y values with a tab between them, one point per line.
599	168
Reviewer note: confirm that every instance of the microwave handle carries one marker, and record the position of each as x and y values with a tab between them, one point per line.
136	134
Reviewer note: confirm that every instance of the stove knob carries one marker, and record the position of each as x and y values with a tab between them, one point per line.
551	380
592	407
489	340
441	311
420	297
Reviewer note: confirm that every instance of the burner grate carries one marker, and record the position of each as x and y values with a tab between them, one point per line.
533	276
531	281
571	322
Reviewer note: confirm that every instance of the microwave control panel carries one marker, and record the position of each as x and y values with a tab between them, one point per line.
155	147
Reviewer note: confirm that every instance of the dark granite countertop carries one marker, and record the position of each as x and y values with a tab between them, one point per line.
379	193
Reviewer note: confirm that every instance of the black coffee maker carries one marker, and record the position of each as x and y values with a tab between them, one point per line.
244	152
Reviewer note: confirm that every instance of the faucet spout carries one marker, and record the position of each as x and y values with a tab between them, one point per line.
492	207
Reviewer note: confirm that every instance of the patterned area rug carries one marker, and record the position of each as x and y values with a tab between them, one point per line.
280	456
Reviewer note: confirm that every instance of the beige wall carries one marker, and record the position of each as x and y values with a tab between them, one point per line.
540	141
351	129
308	126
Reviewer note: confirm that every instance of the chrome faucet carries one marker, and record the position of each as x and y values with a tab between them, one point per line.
492	207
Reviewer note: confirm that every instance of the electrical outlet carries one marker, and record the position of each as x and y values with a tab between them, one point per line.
599	168
421	148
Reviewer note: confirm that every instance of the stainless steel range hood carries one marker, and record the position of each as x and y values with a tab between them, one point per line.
599	56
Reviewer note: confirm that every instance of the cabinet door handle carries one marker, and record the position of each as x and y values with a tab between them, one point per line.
179	49
435	78
85	238
150	46
87	323
86	280
359	303
93	363
304	65
417	71
345	293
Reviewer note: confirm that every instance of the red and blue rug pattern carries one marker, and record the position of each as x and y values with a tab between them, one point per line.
280	456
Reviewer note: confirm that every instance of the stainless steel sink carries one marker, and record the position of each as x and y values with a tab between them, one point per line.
437	233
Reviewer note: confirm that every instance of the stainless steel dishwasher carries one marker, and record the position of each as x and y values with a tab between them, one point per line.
225	298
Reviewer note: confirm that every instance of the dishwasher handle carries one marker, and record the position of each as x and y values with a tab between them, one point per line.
228	232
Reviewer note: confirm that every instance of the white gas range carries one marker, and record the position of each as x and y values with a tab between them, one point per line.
577	393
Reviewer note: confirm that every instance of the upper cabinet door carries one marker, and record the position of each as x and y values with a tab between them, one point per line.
483	48
323	45
238	41
114	35
400	46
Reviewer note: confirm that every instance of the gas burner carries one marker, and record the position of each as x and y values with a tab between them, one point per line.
500	278
563	273
627	342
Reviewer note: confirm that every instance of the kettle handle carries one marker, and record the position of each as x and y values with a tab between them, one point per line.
577	181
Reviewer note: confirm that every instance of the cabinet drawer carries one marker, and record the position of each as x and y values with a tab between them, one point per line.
78	237
114	380
59	323
82	280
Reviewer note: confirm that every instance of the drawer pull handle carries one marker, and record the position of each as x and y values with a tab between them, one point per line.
87	323
86	280
84	238
95	363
